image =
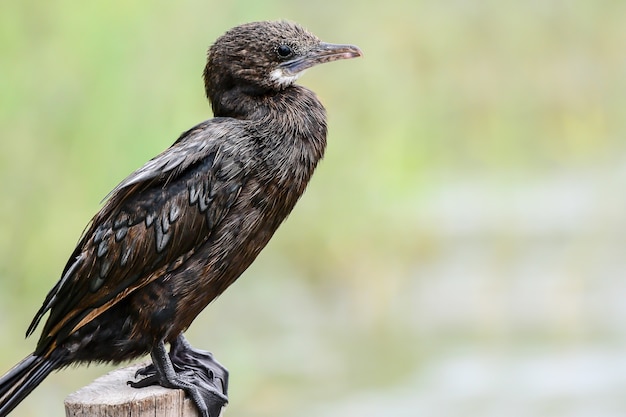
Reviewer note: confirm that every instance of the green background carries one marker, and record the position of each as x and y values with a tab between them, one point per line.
459	252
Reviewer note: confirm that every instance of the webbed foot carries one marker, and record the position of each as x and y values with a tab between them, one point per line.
195	371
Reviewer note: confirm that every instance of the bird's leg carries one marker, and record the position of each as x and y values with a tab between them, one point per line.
199	386
185	359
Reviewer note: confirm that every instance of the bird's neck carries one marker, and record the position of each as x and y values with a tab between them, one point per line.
287	119
291	127
297	112
239	101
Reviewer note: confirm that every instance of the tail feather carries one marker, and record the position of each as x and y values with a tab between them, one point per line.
23	378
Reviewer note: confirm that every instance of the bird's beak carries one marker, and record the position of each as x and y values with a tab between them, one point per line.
321	53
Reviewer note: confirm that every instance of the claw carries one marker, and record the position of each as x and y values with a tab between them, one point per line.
195	371
145	371
145	382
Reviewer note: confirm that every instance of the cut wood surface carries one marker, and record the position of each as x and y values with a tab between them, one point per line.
111	396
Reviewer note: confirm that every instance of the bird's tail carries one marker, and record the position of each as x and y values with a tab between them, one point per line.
16	384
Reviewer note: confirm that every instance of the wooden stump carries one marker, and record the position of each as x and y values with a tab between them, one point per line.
110	396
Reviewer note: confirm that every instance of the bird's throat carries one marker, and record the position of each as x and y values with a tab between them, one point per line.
283	79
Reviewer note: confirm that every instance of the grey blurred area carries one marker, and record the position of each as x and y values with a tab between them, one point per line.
459	252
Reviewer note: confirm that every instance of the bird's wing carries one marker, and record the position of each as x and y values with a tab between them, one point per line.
152	220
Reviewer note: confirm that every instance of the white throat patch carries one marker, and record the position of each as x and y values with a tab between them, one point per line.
282	79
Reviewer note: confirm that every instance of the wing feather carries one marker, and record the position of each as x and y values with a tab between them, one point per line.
152	219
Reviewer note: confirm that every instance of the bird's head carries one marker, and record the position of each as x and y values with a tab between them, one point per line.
260	57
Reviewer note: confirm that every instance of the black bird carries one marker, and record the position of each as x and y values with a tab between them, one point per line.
178	231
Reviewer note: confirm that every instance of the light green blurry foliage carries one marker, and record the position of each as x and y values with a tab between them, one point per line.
446	90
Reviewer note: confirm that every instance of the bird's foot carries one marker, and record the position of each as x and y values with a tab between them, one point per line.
194	371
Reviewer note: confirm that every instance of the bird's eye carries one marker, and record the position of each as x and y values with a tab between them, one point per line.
284	51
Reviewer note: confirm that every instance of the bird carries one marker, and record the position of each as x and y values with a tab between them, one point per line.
179	230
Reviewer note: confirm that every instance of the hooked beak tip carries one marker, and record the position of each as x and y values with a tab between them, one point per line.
337	51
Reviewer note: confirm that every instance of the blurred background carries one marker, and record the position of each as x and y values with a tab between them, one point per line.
460	251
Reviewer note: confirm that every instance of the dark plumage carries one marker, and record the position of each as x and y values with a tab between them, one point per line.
179	230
